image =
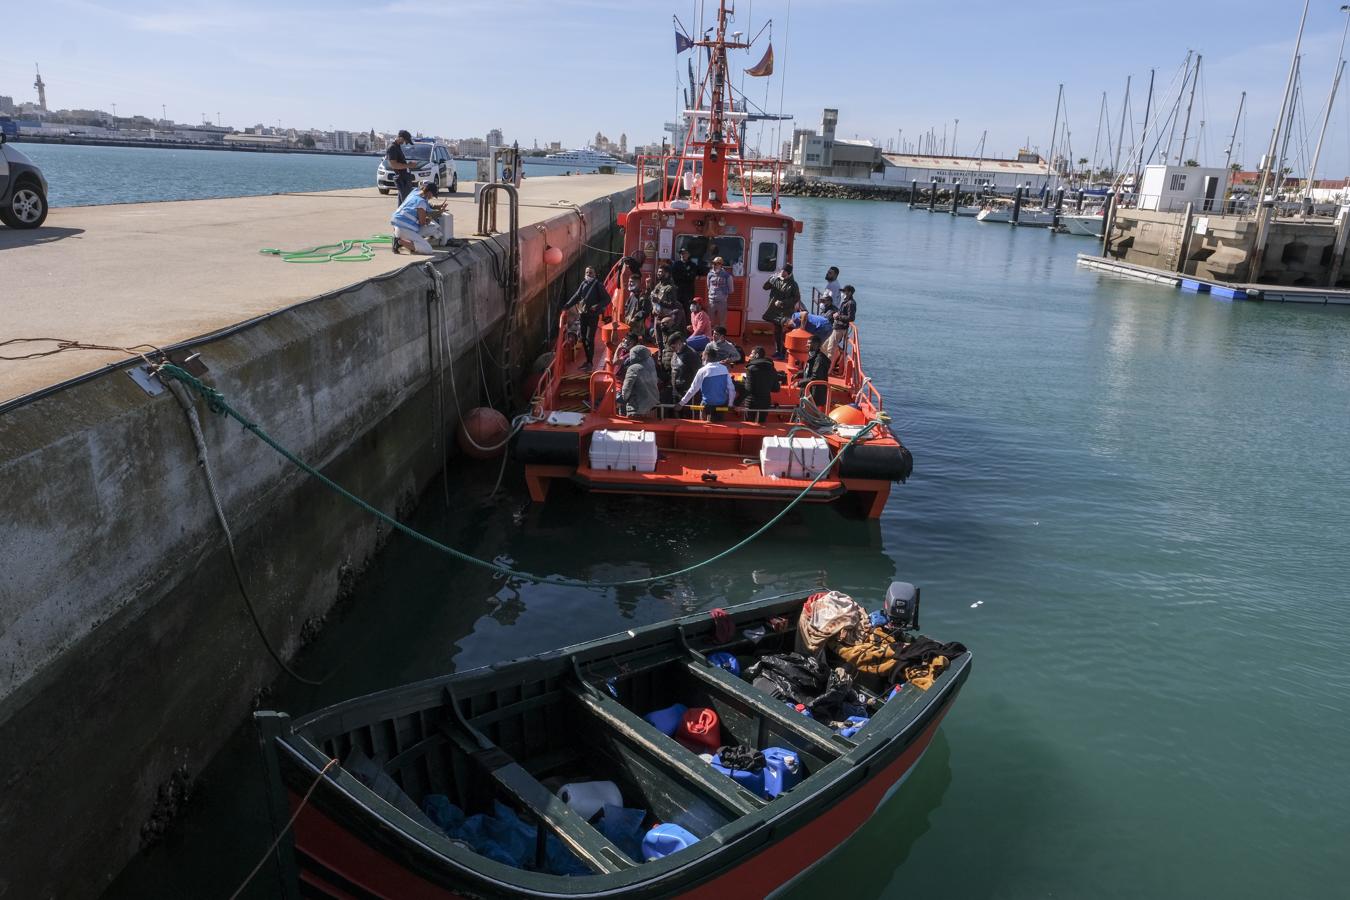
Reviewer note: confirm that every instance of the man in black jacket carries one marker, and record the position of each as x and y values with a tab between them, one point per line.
679	364
593	297
817	368
785	297
398	163
683	271
762	378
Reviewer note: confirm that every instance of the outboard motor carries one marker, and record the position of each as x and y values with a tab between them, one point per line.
901	606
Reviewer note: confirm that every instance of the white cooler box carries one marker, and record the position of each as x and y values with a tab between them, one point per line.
624	451
798	457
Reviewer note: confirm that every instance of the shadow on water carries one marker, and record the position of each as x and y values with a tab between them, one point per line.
13	238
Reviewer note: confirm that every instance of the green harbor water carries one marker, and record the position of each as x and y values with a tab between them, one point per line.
1131	503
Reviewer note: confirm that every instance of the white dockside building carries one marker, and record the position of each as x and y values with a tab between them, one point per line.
1028	170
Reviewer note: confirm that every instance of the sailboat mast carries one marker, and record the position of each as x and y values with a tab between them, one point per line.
1054	134
1120	138
1185	129
1331	98
1232	141
1176	107
1143	138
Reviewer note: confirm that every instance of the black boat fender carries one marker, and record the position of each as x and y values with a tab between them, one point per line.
548	448
876	462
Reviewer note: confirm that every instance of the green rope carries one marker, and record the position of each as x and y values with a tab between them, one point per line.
215	401
351	250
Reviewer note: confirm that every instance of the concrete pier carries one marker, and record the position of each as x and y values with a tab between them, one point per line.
128	654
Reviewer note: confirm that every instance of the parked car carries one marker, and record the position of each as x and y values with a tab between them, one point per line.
433	162
23	188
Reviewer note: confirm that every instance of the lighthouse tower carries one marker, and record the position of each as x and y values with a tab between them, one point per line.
41	89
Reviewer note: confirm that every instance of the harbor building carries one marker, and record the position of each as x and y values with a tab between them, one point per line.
821	154
1170	188
1004	176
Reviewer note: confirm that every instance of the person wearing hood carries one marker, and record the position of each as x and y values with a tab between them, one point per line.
639	394
762	378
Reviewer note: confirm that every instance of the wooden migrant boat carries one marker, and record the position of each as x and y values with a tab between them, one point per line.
496	737
707	204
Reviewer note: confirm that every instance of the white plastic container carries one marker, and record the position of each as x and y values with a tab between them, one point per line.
798	457
623	451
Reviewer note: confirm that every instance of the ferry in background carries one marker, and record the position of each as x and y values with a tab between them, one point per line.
826	440
587	157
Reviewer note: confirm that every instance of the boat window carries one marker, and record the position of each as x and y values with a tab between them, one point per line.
702	248
767	257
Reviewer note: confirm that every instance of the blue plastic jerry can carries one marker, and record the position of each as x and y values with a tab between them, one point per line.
782	770
855	724
801	708
751	781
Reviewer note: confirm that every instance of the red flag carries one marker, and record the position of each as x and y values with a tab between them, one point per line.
764	66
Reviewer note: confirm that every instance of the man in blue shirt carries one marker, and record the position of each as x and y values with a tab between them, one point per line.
714	381
411	217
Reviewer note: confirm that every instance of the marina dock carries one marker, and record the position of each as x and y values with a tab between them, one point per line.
1221	289
129	654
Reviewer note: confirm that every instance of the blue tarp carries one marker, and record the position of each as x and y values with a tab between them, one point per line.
501	836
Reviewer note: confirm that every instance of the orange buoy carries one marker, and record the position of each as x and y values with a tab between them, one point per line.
487	429
553	256
846	414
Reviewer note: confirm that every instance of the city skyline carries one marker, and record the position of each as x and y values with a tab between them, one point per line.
890	84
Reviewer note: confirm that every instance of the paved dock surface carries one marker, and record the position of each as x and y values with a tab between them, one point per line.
158	273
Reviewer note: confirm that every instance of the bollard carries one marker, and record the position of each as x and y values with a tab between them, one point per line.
932	195
913	192
956	196
1017	207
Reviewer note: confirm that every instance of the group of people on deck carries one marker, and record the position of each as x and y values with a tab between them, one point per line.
694	355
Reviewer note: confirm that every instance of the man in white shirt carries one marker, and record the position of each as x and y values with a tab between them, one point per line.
411	219
832	290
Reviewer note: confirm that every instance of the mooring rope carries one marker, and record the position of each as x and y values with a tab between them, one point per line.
287	827
216	402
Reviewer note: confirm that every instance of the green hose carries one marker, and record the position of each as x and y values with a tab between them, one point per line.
351	250
216	402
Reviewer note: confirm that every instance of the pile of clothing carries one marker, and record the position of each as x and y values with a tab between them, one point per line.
877	654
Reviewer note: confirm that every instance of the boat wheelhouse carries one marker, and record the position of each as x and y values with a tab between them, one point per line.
712	202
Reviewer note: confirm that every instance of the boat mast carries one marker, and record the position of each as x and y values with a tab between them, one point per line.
717	144
1331	98
1176	107
1120	138
1254	259
1143	138
1054	134
1228	157
1185	129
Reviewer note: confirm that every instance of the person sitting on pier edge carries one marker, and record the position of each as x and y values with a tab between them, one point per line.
762	378
837	346
720	285
832	291
593	298
727	352
713	381
700	325
412	216
683	271
403	179
817	368
784	297
639	394
638	309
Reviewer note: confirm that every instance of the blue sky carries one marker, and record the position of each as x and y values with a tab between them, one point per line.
563	69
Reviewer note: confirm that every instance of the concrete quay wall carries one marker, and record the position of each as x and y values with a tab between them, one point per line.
128	656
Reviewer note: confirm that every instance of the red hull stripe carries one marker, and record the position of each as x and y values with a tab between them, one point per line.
338	849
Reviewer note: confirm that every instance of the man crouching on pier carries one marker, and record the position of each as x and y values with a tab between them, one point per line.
412	216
